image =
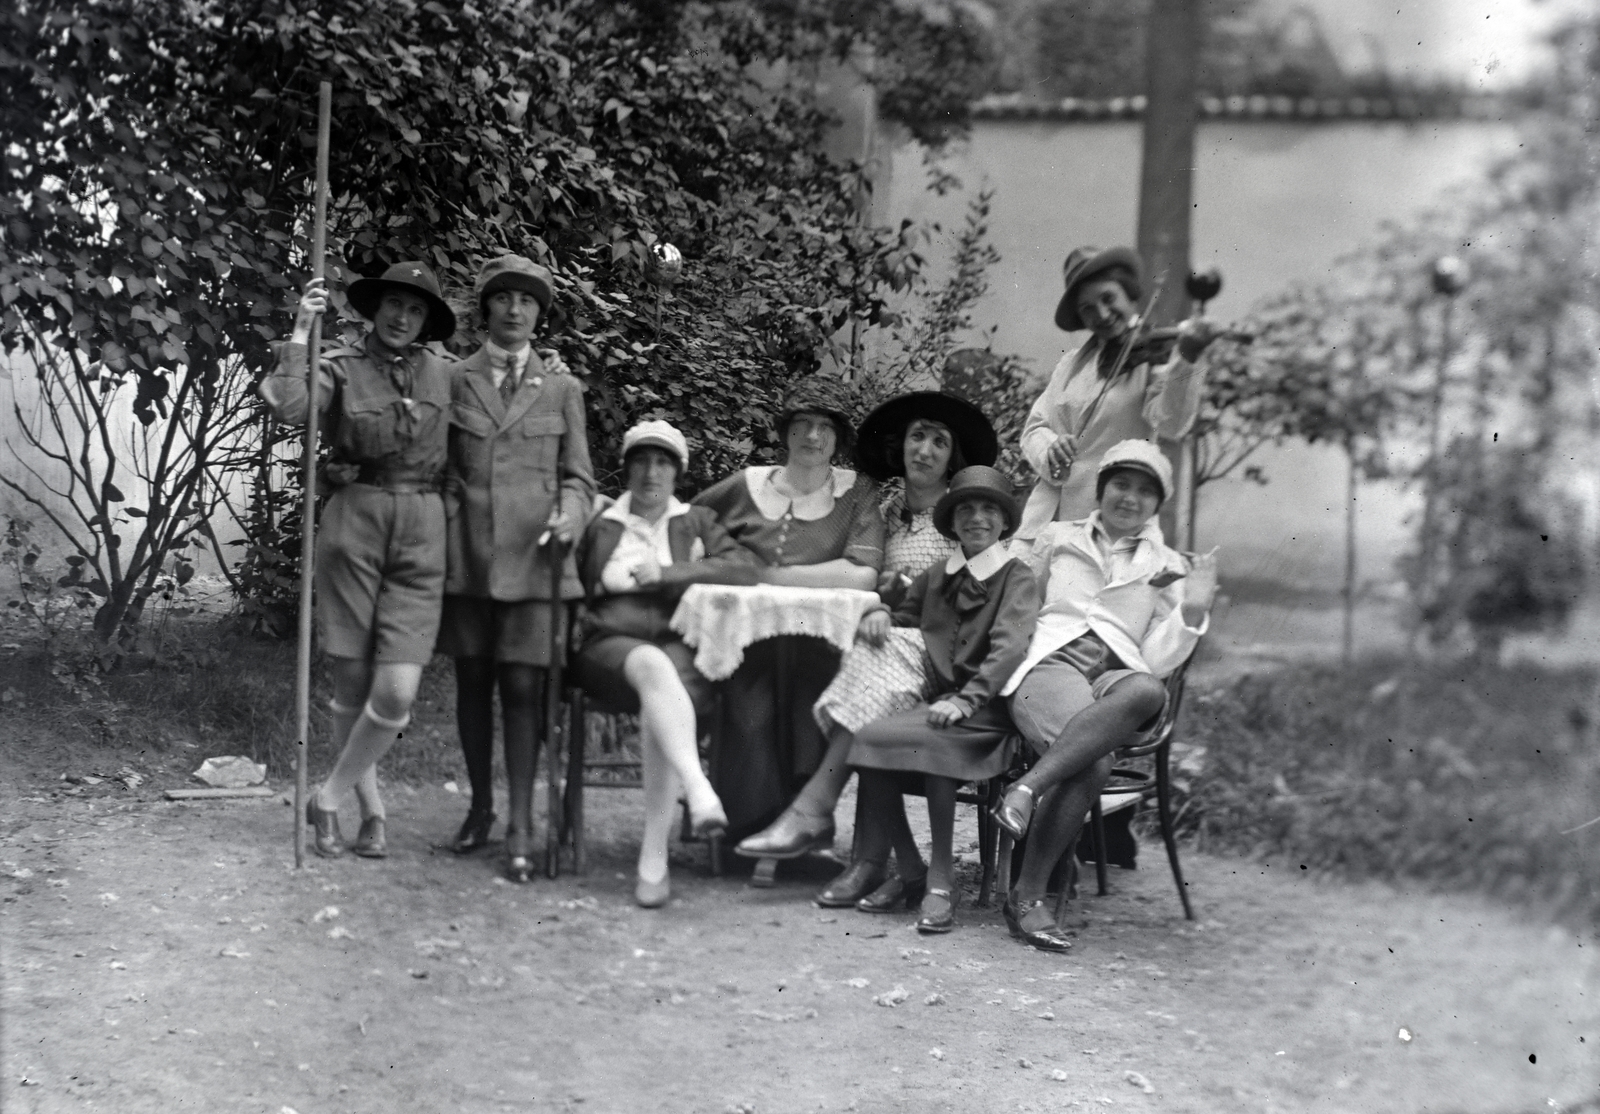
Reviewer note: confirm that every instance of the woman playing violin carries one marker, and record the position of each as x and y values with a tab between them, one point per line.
1121	383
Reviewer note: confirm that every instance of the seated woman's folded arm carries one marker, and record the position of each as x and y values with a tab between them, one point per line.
725	561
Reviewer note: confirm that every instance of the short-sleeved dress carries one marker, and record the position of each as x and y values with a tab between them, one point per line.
757	773
878	681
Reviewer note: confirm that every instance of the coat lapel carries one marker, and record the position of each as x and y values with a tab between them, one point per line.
527	393
481	381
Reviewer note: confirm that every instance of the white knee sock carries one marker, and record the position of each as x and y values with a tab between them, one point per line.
368	741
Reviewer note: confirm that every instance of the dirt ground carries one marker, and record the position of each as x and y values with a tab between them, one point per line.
165	956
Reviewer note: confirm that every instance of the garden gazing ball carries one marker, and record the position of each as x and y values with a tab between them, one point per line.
1204	285
666	263
1449	275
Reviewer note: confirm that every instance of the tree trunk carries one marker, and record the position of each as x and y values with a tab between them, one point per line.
1166	174
1349	646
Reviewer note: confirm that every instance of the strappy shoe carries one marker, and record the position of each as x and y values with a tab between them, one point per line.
519	857
936	921
1049	938
895	893
858	880
712	822
325	825
474	833
1014	812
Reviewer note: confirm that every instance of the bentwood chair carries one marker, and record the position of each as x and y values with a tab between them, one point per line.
1128	787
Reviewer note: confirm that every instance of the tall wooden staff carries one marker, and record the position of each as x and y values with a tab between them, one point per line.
308	510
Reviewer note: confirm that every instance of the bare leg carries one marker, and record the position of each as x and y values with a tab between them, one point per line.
667	723
521	704
385	712
475	726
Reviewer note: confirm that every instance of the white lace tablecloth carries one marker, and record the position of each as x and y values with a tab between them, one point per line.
720	620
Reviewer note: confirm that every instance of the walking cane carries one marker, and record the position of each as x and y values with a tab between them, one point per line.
554	820
308	511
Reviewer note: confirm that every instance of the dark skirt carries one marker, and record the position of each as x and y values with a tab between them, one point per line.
978	747
756	772
618	625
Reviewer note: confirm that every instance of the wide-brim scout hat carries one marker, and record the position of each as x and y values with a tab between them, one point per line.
879	441
1141	456
658	434
414	277
820	394
1084	264
515	272
979	479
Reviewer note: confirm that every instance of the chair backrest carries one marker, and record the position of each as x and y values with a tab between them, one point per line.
1154	739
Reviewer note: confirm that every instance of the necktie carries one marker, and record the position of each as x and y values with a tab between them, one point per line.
509	381
964	592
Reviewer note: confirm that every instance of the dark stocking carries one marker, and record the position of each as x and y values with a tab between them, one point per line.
521	705
475	725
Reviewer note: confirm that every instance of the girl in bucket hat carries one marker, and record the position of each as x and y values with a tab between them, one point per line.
1120	612
636	559
1112	387
384	408
924	438
965	624
813	524
519	491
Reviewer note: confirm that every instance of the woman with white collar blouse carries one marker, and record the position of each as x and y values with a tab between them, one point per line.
809	524
636	557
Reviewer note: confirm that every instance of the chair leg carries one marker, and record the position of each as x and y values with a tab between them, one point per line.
1168	835
1097	823
1002	860
577	750
986	848
555	807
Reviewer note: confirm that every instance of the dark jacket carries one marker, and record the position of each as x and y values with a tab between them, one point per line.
724	561
978	639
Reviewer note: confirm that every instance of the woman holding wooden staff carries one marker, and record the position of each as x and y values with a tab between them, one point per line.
383	407
1125	382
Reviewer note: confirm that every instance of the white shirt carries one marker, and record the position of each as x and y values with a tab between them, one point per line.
642	542
501	362
1105	588
983	566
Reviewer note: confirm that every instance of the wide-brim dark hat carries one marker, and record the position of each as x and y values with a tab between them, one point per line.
414	277
979	479
884	428
820	394
1084	264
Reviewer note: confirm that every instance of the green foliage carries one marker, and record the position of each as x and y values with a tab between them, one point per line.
1464	780
159	169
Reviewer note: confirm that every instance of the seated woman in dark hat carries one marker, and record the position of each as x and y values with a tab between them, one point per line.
1114	386
636	558
925	438
384	407
1121	611
973	614
809	524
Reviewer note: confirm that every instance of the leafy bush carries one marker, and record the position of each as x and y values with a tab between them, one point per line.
1465	780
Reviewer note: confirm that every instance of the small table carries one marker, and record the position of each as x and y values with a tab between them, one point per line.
721	621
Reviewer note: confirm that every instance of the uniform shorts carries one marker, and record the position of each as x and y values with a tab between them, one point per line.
518	632
380	574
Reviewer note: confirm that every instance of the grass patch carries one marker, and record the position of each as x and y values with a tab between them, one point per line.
1462	780
220	692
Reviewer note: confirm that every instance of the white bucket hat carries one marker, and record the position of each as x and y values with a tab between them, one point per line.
661	435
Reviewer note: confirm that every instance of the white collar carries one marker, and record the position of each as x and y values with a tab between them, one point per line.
1150	531
622	510
983	566
773	504
515	359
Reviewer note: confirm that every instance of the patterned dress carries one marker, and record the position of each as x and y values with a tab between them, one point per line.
878	681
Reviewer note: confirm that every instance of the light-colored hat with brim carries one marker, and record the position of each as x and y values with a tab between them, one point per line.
515	272
413	277
878	442
660	435
1141	456
1084	264
979	479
